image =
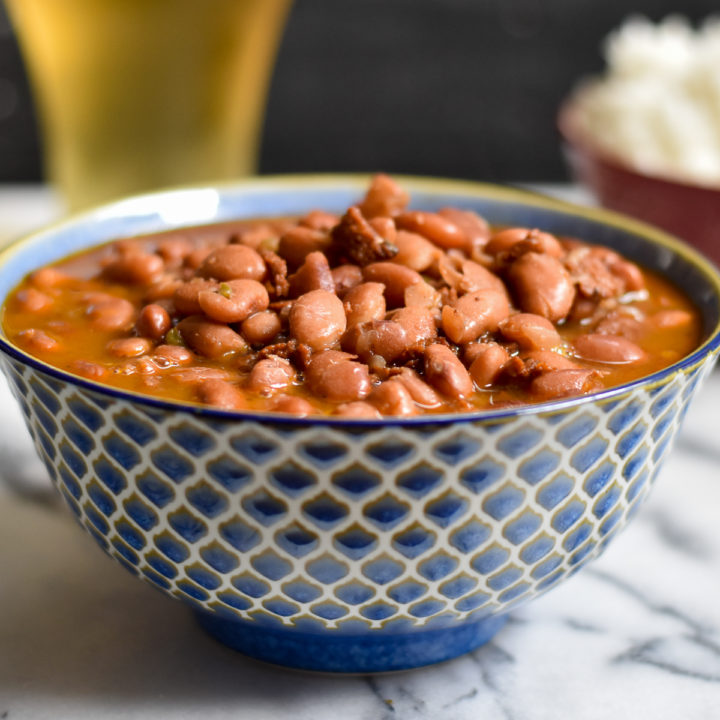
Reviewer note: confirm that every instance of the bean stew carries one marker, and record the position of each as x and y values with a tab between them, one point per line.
382	310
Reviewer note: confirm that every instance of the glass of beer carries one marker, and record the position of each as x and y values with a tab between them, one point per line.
139	94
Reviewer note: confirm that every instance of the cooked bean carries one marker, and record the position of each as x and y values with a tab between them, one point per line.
197	374
547	360
487	364
414	251
108	313
129	347
49	277
319	220
317	319
467	276
89	370
153	321
164	288
208	338
520	240
384	197
172	355
393	398
385	227
474	314
618	323
185	298
418	323
221	394
292	405
261	328
33	301
364	303
542	286
270	375
563	383
530	332
234	300
436	228
345	278
334	376
419	390
665	319
380	337
358	409
608	349
630	274
233	262
173	250
134	268
313	274
395	278
423	295
475	228
196	257
38	340
298	242
446	373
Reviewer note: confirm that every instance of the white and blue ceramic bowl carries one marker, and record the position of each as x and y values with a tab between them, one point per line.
354	546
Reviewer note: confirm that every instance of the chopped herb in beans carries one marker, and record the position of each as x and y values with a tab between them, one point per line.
379	310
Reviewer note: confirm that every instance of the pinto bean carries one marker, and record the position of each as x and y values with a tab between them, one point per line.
173	250
530	332
153	321
185	297
547	360
88	369
292	405
608	349
385	227
172	355
233	262
423	295
197	374
474	314
414	251
395	278
466	276
472	225
384	197
261	328
345	278
129	347
359	409
393	398
234	301
108	313
313	274
488	362
38	340
364	303
666	319
563	383
317	319
298	242
270	375
48	278
210	339
31	300
335	376
542	286
382	338
436	228
519	240
162	289
319	220
418	323
446	373
221	394
134	268
619	323
419	390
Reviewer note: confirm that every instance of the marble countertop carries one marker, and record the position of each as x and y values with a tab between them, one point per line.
634	635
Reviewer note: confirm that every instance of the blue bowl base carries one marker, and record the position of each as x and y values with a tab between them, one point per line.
350	653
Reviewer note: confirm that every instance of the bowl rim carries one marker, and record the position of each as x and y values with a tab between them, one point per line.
436	186
580	141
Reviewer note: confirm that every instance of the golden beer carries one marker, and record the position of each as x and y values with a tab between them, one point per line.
139	94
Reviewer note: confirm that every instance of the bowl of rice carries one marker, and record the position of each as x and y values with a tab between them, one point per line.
645	137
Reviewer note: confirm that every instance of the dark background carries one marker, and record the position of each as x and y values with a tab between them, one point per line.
460	88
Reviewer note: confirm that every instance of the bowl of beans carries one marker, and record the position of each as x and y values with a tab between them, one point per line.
354	422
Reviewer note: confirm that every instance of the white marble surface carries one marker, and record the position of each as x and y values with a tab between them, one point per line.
634	635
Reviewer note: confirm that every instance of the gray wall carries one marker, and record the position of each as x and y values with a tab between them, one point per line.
465	88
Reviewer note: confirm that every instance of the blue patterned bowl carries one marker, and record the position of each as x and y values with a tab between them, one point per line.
354	546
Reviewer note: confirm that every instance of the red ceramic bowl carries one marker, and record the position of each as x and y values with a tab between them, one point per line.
691	212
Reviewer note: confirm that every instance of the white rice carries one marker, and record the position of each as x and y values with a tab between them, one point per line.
657	108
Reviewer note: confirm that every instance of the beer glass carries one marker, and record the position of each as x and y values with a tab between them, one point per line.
138	94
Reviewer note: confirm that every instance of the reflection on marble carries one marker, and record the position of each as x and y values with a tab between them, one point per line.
635	634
